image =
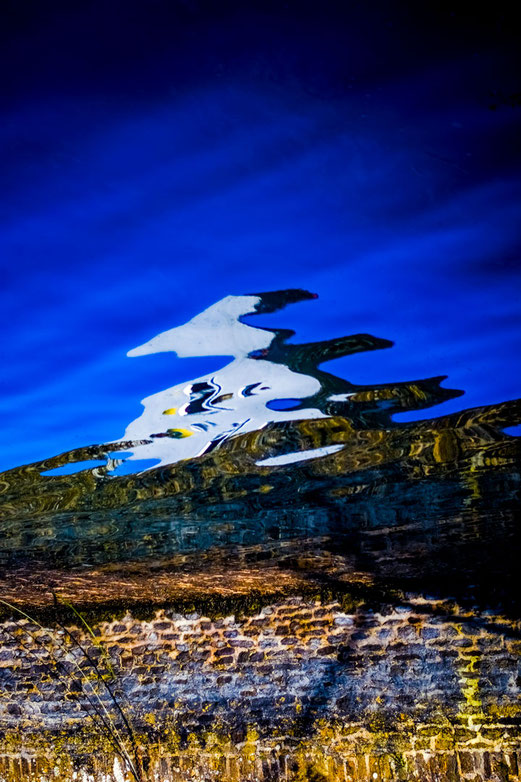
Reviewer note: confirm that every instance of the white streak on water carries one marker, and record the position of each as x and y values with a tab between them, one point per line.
299	456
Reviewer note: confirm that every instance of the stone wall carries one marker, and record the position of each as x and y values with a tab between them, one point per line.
300	689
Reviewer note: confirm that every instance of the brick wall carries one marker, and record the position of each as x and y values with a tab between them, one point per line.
301	689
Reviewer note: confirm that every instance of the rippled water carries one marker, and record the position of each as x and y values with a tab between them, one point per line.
371	156
272	447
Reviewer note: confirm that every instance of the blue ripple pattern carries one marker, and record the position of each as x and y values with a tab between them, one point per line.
200	154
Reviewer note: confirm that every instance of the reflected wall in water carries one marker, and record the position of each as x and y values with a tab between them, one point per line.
273	448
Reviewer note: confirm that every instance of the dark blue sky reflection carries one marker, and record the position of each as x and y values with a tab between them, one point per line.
160	156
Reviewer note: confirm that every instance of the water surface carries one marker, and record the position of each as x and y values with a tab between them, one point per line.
273	447
150	170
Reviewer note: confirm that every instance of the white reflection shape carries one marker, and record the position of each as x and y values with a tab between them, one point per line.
187	420
215	332
299	456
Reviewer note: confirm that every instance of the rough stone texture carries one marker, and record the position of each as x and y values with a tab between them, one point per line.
299	690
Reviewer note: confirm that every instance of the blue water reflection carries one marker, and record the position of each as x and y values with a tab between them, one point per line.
391	188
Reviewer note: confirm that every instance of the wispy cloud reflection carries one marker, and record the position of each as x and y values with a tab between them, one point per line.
115	215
